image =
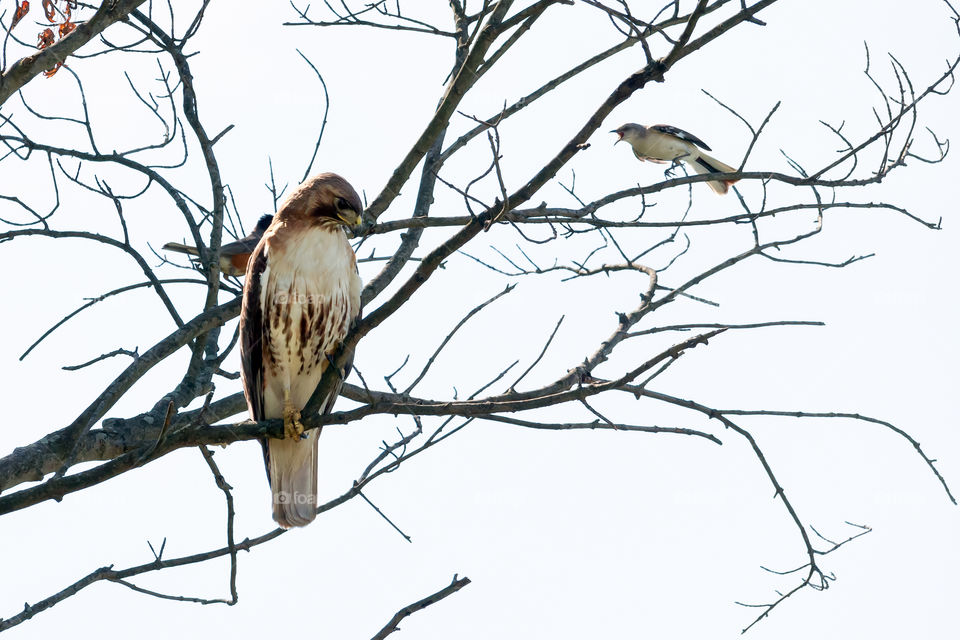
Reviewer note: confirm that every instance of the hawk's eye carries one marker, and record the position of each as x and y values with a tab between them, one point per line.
342	204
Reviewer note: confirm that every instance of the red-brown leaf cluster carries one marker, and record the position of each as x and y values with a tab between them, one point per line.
45	38
22	9
58	12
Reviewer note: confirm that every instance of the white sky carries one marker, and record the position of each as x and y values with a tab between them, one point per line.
564	535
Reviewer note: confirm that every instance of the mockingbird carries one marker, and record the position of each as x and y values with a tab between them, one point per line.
663	143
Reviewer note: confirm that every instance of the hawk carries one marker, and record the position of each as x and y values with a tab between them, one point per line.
300	296
233	255
663	143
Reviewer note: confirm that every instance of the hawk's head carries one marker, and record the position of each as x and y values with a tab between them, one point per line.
324	198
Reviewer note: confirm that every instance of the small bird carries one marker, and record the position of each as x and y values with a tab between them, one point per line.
663	143
233	255
300	297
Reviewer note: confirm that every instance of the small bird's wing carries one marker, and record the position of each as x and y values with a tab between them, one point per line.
643	158
680	133
249	242
234	255
241	246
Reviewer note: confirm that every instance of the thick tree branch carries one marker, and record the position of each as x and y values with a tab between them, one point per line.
25	69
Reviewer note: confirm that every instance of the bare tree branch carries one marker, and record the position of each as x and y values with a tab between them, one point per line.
25	69
567	237
455	585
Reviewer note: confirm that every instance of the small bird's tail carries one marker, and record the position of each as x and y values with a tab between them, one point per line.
181	248
706	164
293	479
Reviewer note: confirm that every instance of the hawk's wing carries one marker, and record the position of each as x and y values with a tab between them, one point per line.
680	133
251	334
348	367
327	406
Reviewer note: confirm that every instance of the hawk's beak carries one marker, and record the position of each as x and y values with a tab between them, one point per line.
349	217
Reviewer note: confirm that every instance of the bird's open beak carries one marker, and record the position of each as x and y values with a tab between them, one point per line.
619	135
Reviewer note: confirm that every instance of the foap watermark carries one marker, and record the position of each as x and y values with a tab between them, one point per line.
295	497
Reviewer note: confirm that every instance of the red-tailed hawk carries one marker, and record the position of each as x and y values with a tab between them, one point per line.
663	143
233	255
301	294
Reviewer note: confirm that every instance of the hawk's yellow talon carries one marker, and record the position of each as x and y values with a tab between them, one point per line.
292	427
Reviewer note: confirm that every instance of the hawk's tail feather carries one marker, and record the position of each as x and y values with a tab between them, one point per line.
707	164
293	479
181	248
